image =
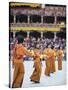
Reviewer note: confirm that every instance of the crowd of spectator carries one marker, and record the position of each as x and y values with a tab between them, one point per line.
42	43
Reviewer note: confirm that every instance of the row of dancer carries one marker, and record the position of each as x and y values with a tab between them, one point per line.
48	54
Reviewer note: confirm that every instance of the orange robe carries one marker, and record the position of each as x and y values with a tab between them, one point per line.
59	54
52	69
18	76
35	77
47	52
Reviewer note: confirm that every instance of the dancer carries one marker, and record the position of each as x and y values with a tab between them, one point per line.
52	69
60	55
18	53
48	54
35	77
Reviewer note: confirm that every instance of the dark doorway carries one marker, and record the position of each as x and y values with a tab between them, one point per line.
48	19
22	33
35	34
22	18
35	19
48	35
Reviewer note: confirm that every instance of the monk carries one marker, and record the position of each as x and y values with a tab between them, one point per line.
52	69
47	52
35	77
18	53
59	55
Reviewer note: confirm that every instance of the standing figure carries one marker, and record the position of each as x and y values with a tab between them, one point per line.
52	69
48	54
35	77
60	55
18	53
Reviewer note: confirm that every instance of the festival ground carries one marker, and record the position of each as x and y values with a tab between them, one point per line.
57	78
